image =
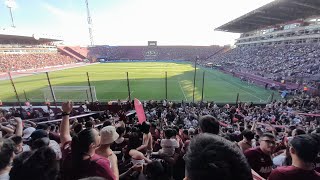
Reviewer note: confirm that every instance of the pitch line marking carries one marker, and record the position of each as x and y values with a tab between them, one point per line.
236	86
185	97
130	94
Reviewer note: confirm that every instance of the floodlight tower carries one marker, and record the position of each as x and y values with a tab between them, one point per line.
11	4
89	23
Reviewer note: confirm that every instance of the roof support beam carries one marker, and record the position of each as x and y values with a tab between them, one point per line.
252	23
272	18
305	5
260	21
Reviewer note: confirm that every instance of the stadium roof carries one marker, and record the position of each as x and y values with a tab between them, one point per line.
5	37
276	12
16	36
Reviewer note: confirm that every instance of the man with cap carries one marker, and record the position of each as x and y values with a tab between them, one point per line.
53	143
26	137
40	138
27	133
108	135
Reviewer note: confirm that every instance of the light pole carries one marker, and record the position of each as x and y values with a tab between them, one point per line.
89	23
11	4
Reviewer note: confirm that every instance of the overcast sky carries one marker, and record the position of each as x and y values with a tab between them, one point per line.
130	22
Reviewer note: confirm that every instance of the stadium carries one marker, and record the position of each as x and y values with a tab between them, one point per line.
243	111
169	76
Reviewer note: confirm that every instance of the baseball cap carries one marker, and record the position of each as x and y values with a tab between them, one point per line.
38	134
108	135
42	126
27	132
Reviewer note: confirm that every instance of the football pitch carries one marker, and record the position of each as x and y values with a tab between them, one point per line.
146	79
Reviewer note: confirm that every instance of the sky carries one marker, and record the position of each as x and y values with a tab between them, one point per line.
130	22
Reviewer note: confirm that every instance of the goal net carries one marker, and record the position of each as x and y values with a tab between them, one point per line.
74	93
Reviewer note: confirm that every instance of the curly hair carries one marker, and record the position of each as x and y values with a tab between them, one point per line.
211	156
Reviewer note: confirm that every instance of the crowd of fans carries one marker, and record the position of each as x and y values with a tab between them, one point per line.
177	140
292	63
155	53
13	62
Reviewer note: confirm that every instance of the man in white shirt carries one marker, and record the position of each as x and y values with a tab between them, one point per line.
168	144
168	147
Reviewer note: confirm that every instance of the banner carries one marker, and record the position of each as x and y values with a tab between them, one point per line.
139	110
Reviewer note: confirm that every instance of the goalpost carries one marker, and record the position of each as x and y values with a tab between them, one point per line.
74	93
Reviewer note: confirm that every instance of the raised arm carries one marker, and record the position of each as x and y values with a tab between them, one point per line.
6	129
254	126
65	124
19	127
31	123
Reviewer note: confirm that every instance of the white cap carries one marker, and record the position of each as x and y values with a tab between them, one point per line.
108	135
27	132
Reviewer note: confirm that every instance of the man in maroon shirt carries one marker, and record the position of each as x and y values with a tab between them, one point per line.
260	158
303	150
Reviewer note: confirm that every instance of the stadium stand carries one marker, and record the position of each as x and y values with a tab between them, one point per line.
14	62
292	63
186	53
20	51
279	43
77	52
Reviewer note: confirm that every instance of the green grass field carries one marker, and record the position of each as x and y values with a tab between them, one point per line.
147	81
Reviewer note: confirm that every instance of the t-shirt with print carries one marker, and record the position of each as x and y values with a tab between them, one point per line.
95	166
259	161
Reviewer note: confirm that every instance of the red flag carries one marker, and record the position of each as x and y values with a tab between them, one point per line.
235	120
223	124
139	110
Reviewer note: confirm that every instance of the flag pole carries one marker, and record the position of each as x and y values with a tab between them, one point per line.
15	91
